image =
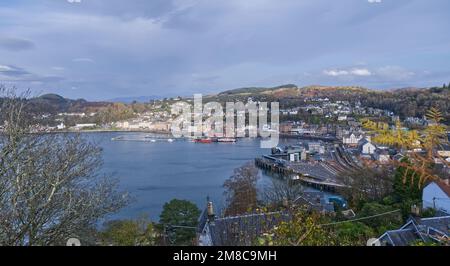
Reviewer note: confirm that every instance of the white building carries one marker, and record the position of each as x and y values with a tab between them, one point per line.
342	118
382	156
366	147
72	114
81	126
436	195
61	126
352	139
133	125
316	147
301	131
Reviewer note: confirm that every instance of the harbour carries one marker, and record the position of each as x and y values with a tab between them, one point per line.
156	172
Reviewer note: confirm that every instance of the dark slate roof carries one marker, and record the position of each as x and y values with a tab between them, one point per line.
444	147
315	200
382	151
243	230
442	224
425	229
202	220
401	237
317	171
398	156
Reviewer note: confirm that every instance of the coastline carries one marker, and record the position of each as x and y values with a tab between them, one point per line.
104	131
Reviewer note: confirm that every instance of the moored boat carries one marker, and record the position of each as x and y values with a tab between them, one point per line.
226	140
203	140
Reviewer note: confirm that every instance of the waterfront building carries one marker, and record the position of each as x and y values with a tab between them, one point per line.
82	126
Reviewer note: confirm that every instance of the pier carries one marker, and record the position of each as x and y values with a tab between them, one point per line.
145	139
316	175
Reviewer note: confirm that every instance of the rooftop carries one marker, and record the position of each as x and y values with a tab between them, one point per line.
244	229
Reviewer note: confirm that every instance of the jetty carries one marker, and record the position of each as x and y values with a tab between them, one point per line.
145	139
317	175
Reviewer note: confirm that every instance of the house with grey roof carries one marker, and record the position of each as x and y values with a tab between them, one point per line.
241	230
315	200
434	229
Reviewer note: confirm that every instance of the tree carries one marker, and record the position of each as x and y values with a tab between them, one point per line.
365	184
179	219
50	187
428	140
303	229
381	224
353	234
140	232
282	191
240	190
410	191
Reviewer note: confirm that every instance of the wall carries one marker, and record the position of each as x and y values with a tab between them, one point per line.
434	191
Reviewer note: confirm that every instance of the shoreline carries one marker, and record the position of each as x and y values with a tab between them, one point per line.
104	131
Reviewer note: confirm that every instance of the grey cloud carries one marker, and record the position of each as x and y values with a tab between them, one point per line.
12	71
83	60
184	46
126	9
16	44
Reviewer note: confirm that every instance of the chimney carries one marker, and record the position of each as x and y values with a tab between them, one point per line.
285	202
210	210
415	210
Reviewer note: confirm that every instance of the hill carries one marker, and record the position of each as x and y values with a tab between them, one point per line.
54	103
139	99
406	102
252	90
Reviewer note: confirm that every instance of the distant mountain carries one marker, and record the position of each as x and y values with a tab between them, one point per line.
56	103
250	90
50	102
406	89
139	99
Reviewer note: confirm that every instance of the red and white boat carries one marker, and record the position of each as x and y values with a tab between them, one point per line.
203	140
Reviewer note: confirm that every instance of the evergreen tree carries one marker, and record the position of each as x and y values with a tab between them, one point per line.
177	214
407	185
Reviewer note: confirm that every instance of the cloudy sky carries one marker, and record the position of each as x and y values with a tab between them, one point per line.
102	49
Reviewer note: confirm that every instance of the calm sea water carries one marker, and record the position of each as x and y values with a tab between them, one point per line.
156	172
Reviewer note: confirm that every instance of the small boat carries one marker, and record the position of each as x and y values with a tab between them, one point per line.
169	140
153	140
228	140
205	140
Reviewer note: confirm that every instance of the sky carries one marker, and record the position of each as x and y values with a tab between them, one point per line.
103	49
